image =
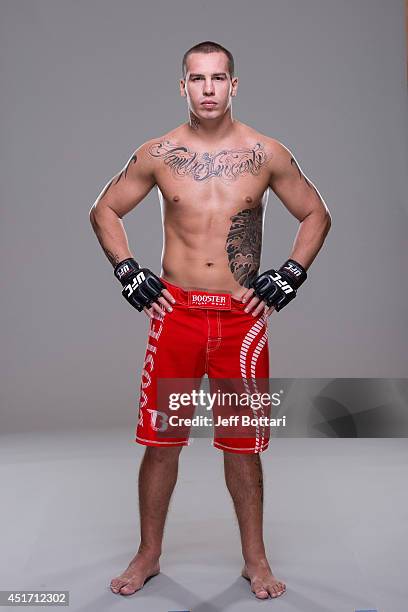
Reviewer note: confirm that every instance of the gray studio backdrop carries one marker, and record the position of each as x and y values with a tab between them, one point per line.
84	83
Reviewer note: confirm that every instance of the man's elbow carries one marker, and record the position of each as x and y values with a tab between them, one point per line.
321	217
95	217
326	224
92	216
328	221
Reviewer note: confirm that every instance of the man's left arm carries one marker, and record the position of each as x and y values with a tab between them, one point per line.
276	288
298	194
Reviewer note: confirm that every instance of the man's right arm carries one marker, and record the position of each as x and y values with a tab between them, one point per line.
123	192
141	287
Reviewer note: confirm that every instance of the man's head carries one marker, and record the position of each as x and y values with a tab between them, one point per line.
208	75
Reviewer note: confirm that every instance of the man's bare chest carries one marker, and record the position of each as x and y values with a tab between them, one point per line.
237	173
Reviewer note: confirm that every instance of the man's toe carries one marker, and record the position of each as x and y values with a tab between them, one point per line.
259	590
129	588
276	589
117	584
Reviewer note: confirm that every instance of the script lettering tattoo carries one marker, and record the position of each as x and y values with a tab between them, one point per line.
116	179
243	245
294	163
228	164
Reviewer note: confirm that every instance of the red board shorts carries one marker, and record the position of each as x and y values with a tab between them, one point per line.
206	333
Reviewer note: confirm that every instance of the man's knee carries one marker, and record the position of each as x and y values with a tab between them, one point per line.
163	455
244	458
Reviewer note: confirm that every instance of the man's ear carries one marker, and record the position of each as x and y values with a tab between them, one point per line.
182	88
234	86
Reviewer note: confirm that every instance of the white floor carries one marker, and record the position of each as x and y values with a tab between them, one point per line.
336	524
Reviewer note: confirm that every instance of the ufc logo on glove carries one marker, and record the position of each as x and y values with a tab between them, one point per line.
138	280
281	283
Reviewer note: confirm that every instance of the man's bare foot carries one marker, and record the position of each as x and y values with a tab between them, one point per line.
263	582
135	575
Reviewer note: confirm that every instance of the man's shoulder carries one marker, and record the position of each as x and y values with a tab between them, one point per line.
253	134
274	150
145	152
178	134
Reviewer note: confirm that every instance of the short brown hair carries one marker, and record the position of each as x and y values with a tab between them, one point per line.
208	47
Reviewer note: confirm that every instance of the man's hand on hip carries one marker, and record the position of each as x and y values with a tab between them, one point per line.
274	289
143	289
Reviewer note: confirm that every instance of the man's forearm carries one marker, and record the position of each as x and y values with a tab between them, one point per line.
111	234
310	238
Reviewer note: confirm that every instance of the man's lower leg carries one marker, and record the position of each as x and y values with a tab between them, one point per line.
244	479
157	478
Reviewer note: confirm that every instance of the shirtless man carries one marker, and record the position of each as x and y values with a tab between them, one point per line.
212	174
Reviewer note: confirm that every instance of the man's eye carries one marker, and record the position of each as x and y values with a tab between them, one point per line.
199	78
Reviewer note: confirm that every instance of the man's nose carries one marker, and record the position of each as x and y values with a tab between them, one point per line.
208	87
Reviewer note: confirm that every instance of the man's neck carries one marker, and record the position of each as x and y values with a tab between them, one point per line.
212	131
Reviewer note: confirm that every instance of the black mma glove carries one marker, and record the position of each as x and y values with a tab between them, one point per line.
141	286
278	288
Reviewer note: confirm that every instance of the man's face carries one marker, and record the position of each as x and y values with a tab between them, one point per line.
208	80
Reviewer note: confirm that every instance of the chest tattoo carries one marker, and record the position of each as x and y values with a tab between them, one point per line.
227	164
244	243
